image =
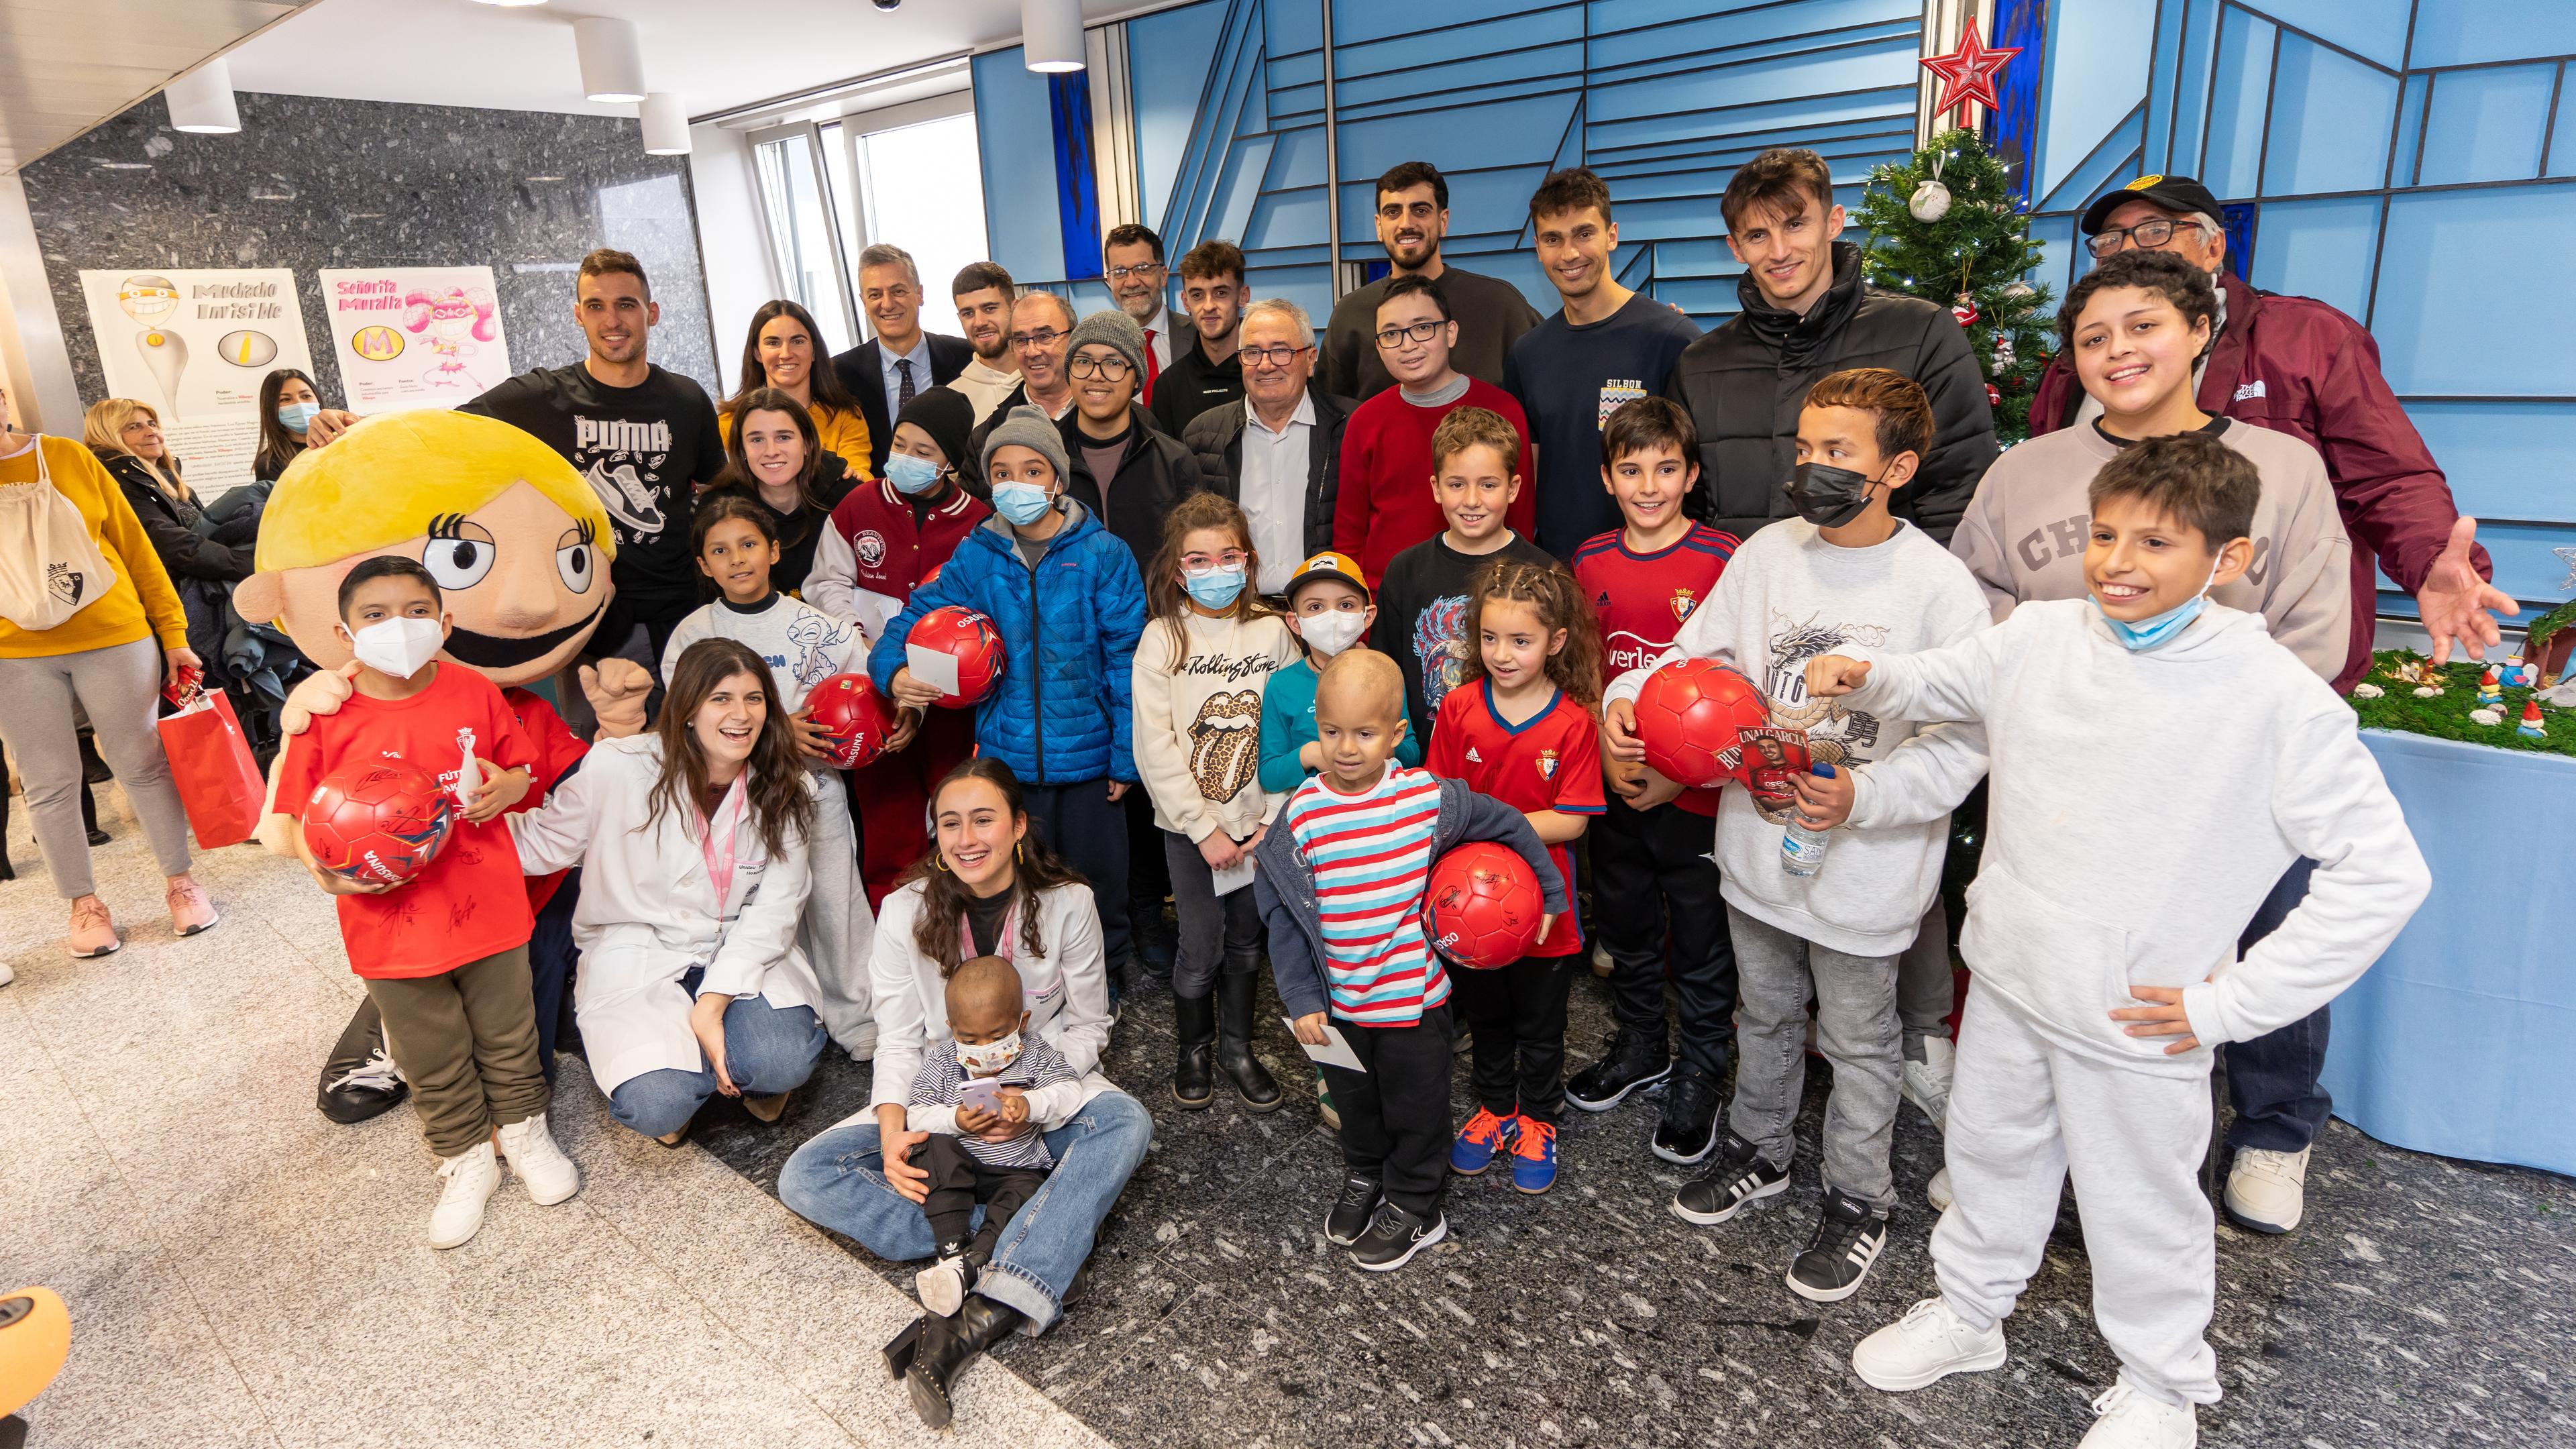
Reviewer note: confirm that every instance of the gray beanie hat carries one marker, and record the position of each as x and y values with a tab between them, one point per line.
1029	427
1112	328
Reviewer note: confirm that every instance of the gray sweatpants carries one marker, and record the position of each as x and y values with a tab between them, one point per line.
837	930
1855	1026
2025	1111
116	686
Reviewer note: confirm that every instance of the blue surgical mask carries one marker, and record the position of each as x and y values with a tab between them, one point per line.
1216	588
2146	634
298	416
911	476
1021	503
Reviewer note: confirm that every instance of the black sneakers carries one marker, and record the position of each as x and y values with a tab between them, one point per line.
1848	1238
1740	1177
1350	1215
1394	1236
1687	1132
1632	1061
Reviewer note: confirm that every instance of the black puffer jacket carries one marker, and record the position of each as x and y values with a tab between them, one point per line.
1745	382
1153	474
172	524
1215	438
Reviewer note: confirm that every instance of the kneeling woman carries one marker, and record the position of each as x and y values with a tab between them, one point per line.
692	840
986	889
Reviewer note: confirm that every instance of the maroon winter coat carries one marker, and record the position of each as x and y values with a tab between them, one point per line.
2298	366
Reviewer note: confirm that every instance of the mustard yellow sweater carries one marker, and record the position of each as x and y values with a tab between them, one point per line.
843	433
140	604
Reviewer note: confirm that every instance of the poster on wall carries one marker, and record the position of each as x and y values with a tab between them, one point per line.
414	337
194	343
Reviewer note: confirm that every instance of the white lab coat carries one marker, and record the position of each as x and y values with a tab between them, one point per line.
648	912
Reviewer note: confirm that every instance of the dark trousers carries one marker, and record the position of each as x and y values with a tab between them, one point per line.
552	958
1219	934
1654	891
467	1042
1395	1114
2272	1080
1149	878
1089	830
1516	1032
958	1182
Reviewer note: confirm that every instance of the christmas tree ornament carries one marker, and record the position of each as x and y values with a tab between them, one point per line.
1930	202
1968	73
1994	399
1965	309
2017	291
2003	351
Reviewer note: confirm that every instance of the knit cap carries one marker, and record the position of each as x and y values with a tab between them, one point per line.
946	415
1113	329
1029	427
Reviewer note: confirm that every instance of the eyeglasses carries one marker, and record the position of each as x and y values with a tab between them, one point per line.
1276	355
2147	234
1045	337
1200	563
1391	338
1111	368
1120	274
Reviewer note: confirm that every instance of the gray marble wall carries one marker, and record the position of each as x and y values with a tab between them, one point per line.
311	182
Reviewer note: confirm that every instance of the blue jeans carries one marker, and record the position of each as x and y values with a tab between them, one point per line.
838	1180
2272	1080
768	1050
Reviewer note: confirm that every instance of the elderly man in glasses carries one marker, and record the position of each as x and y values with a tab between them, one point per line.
1041	340
1277	450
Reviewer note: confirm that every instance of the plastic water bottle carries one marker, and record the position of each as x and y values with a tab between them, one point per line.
1802	851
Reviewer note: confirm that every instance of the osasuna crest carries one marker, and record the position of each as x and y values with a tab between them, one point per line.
65	582
1547	764
1616	393
1683	601
869	547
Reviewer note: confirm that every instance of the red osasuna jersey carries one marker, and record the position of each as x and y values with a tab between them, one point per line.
1642	599
1550	761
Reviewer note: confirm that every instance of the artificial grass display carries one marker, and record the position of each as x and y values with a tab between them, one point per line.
2445	716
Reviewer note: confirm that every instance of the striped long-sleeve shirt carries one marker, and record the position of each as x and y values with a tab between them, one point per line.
1371	857
1054	1090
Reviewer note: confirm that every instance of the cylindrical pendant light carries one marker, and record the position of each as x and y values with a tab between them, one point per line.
612	64
202	100
1051	34
666	125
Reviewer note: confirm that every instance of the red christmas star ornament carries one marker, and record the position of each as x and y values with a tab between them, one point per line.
1968	73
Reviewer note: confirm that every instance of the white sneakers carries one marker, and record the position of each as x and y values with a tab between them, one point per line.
1928	1344
2267	1191
1937	1191
2131	1420
548	1175
1926	1083
942	1286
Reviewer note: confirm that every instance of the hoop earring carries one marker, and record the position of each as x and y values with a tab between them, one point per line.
939	862
1019	852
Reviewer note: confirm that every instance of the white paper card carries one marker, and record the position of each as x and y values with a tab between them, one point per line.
1234	877
1335	1052
932	667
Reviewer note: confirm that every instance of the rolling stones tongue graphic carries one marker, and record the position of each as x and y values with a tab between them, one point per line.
1225	744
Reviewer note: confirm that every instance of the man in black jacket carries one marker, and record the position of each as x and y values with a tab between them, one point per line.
1412	213
1128	472
1806	314
901	361
1207	372
1294	476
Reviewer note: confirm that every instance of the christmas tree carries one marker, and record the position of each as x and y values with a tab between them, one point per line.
1945	227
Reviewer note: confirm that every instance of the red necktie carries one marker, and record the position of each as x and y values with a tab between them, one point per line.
1153	369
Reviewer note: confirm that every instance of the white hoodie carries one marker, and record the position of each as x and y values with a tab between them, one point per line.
2142	806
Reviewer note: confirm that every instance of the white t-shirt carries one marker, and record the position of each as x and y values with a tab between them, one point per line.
802	645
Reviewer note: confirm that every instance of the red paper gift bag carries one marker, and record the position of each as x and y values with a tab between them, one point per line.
211	762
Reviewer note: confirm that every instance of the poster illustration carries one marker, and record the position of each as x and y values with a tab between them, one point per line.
414	337
194	344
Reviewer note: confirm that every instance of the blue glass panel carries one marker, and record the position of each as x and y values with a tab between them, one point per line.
1295	70
1409	90
1700	257
1357	22
1767	123
2505	459
1299	161
2115	155
1293	25
2161	78
2097	74
1019	179
1295	103
2466	32
1802	78
1497	133
1777	31
2244	69
2330	122
2191	87
2431	343
2056	235
2375	28
2410	132
2485	125
2319	249
2562	143
2525	567
1240	185
1168	56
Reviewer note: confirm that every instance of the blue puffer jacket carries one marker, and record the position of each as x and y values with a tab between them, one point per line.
1061	714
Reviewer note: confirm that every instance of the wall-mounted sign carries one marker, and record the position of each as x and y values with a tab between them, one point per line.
414	337
194	344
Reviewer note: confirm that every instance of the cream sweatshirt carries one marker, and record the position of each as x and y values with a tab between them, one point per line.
1198	722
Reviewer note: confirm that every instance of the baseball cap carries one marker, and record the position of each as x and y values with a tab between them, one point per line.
2179	194
1329	565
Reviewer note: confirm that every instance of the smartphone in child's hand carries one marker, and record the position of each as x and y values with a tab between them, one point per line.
984	1094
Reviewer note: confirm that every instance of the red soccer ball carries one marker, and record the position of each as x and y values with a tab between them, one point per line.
1688	714
972	640
1483	906
857	718
378	820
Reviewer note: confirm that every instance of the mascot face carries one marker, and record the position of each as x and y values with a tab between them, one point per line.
516	539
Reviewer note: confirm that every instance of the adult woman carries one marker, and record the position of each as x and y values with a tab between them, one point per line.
88	618
773	453
692	839
287	406
783	352
986	889
126	436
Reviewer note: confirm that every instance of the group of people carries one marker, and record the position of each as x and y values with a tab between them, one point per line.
1284	619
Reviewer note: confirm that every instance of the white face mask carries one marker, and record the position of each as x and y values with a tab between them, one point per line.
399	647
990	1058
1333	632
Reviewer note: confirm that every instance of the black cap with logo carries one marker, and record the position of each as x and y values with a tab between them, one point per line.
2180	195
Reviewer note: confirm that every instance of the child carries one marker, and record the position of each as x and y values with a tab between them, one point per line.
978	1154
1654	887
2120	867
1422	598
1066	596
1328	611
445	954
1519	728
1199	677
735	540
1844	569
1340	887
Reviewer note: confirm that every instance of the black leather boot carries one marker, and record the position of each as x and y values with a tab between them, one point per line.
1193	1076
978	1326
360	1080
907	1345
1236	992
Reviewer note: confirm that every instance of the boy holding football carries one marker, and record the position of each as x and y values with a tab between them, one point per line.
444	950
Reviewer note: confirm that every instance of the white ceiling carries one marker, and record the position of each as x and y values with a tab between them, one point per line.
66	65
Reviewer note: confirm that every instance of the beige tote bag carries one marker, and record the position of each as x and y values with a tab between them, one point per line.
50	568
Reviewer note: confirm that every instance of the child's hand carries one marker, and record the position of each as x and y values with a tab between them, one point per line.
974	1121
1015	1107
501	790
340	885
910	692
1545	925
617	689
2165	1017
1309	1028
320	693
907	723
1118	789
706	1022
1649	789
1619	732
1831	676
1220	851
1825	803
812	740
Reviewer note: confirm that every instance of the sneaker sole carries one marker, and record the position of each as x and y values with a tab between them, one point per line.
1478	1170
1827	1295
1710	1220
567	1195
1606	1103
94	955
1939	1120
1438	1231
1980	1363
199	930
1695	1158
2256	1225
936	1288
1193	1104
1533	1191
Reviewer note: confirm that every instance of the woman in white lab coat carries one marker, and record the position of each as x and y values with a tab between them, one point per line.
691	982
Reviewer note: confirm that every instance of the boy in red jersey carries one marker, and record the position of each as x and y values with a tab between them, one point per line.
1654	887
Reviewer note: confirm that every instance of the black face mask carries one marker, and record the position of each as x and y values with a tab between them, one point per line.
1826	496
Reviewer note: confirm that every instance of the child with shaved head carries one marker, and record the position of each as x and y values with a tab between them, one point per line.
986	1098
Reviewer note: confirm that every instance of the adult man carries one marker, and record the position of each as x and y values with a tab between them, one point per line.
1277	450
984	294
1208	373
1608	346
1131	257
2301	367
1806	313
1041	337
901	361
1412	218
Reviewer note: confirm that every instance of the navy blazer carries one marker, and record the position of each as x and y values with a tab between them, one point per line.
862	371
